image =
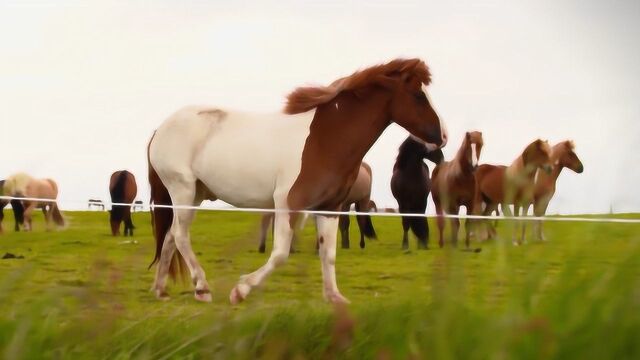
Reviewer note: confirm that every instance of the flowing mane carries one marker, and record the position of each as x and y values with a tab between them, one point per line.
304	99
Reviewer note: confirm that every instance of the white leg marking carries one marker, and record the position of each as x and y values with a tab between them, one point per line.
279	254
327	234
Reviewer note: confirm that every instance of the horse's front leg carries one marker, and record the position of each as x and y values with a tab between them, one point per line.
327	234
27	216
279	254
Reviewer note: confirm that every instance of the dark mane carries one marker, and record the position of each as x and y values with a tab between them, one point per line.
304	99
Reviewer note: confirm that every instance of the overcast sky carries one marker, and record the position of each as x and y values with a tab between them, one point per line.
83	84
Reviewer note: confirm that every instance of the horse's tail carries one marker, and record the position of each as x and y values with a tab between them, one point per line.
161	219
18	211
57	215
420	227
364	221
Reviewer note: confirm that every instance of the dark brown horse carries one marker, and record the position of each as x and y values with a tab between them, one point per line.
454	185
410	185
16	205
123	189
563	156
512	185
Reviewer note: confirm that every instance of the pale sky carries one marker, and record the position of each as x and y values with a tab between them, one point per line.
83	84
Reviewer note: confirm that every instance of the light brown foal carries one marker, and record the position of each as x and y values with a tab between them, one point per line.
562	156
453	185
512	185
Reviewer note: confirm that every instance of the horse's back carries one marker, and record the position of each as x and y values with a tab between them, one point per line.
240	157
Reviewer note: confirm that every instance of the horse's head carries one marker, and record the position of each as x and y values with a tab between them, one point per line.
538	155
415	148
565	156
409	106
473	147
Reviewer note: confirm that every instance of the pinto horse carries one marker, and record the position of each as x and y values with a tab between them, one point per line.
305	158
512	185
16	206
562	156
359	194
23	185
410	186
453	185
123	189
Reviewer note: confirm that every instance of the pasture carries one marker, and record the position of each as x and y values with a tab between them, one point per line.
82	293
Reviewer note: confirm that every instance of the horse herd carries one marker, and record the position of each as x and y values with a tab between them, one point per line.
309	157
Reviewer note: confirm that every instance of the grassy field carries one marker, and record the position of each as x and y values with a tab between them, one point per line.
80	293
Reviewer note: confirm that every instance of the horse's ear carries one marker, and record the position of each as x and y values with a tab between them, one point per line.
467	135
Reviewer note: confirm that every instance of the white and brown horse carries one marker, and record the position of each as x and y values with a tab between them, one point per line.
562	156
305	158
453	185
360	195
512	185
23	185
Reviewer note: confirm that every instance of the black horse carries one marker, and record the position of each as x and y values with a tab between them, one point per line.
16	205
410	185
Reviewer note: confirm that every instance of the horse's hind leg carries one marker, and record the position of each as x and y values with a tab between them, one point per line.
266	220
279	254
406	224
185	194
47	211
343	224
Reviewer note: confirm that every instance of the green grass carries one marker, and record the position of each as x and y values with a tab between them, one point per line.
80	293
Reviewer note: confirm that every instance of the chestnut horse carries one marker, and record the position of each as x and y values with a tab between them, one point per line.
410	186
16	206
562	156
123	189
453	185
23	185
512	185
305	158
360	195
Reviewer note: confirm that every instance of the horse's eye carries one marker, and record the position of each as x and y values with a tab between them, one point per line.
420	96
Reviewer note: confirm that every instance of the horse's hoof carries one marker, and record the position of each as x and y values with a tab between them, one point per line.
515	243
203	295
162	295
237	294
338	299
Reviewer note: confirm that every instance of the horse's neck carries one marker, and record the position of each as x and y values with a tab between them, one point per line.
521	171
341	133
460	162
549	180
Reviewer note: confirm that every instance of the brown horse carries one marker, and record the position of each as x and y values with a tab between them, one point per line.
453	185
562	156
123	189
360	195
23	185
306	158
512	185
410	186
16	206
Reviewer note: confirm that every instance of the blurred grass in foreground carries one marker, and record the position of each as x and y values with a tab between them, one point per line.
80	293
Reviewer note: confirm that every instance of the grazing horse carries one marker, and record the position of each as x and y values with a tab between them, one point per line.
562	156
305	158
512	185
23	185
453	185
410	185
360	195
16	206
123	189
